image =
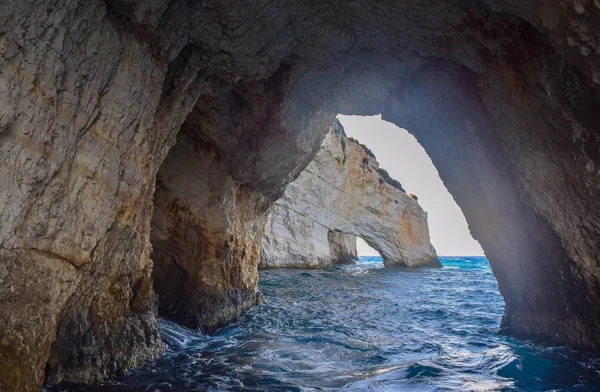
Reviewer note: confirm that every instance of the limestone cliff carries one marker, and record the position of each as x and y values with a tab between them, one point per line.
503	95
343	190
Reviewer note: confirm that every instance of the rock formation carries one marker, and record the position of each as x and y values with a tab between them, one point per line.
206	233
342	194
342	248
503	95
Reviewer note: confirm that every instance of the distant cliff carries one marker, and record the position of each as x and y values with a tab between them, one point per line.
343	193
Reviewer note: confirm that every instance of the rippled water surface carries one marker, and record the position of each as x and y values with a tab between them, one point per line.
365	328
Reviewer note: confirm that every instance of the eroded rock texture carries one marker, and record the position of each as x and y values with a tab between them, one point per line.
342	192
503	95
206	233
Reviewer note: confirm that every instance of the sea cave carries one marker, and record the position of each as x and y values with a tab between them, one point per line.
145	147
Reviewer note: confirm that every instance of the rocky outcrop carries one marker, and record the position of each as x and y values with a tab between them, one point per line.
503	96
343	190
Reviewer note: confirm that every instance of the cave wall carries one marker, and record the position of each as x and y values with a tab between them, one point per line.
92	96
344	190
93	93
232	160
206	233
78	147
495	177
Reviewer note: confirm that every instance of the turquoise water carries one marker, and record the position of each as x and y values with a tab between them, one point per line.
365	328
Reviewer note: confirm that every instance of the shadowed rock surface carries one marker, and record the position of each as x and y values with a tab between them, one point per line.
206	233
343	248
502	95
342	192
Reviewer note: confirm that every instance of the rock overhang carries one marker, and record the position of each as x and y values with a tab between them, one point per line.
502	96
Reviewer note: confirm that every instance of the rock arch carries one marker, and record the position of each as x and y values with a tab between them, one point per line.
343	190
503	97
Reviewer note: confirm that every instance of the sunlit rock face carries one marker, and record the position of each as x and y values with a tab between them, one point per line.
343	190
503	95
294	241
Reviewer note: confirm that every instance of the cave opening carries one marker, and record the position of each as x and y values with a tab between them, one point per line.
400	154
367	252
503	97
207	219
227	185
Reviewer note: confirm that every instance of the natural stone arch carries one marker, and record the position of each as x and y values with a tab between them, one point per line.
94	93
343	190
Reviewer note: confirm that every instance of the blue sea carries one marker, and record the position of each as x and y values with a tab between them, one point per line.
365	328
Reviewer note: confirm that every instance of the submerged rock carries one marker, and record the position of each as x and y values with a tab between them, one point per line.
343	193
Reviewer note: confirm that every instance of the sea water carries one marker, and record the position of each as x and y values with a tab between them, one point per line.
365	328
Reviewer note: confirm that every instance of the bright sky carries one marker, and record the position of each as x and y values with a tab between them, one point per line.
402	156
